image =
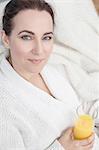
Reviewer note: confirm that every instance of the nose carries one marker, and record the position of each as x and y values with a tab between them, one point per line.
38	47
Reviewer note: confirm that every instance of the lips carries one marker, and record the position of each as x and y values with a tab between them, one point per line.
36	61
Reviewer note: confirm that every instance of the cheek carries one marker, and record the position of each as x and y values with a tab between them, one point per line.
18	51
49	48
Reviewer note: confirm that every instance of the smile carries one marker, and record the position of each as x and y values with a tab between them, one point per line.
36	61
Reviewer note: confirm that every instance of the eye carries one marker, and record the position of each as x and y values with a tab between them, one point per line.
26	37
47	38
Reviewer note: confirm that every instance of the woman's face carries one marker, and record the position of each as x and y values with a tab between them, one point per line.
31	40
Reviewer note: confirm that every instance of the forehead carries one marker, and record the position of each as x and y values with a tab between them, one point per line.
33	20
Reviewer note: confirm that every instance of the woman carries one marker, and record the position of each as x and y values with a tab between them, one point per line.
35	112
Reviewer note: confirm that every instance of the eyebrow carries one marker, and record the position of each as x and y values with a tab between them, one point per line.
30	32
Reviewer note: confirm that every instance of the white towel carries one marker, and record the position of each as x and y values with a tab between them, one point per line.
77	26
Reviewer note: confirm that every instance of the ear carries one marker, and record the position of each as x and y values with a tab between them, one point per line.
5	39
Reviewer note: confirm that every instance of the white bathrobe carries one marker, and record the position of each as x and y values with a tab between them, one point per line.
31	119
77	28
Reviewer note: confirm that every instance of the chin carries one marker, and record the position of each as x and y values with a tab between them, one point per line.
36	70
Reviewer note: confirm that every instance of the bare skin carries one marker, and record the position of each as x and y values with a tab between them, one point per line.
96	3
69	143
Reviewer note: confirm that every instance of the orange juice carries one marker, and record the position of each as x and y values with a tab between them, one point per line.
83	127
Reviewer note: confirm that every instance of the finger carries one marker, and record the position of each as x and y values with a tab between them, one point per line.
88	147
84	142
87	141
91	138
68	131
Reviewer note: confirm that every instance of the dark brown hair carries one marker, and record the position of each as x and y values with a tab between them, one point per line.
15	6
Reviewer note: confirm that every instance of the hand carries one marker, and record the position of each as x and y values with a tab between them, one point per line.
69	143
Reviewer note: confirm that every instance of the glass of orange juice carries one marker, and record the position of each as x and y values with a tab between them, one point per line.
84	125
